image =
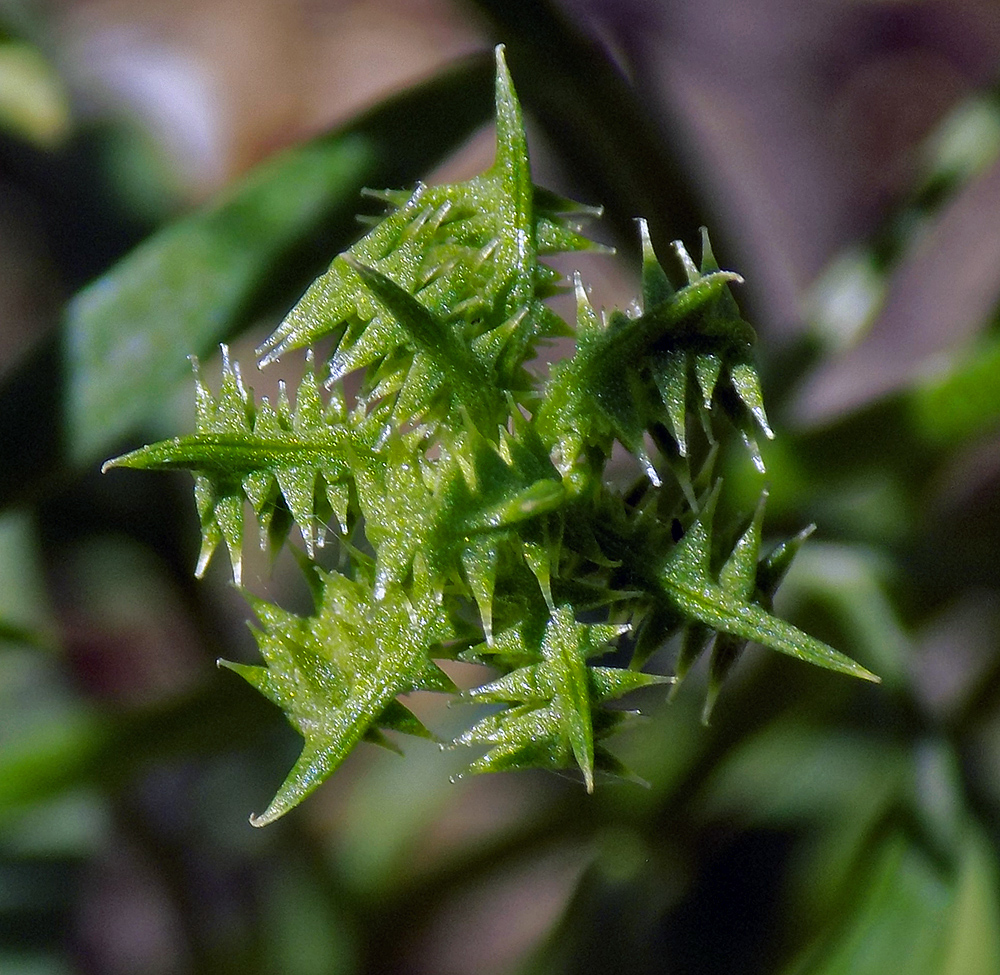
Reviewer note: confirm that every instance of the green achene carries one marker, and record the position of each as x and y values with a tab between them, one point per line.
469	498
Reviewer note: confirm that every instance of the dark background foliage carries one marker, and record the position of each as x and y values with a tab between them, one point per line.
846	157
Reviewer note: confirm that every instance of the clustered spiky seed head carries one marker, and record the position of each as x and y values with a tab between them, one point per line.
469	499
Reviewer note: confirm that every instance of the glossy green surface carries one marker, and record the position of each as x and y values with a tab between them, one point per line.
471	501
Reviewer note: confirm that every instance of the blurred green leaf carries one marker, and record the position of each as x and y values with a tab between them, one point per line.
130	332
33	101
305	933
50	760
912	916
791	773
961	401
24	610
127	336
894	920
973	943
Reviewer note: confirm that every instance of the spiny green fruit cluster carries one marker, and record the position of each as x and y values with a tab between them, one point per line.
469	499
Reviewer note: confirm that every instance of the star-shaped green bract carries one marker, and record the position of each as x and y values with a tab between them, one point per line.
469	498
633	372
291	464
468	254
337	674
554	714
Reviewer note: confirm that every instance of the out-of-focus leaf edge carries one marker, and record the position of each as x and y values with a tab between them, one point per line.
126	337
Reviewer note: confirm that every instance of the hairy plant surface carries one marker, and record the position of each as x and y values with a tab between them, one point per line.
470	502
